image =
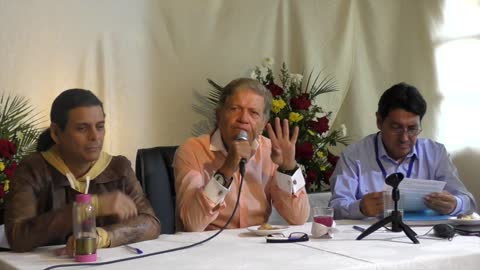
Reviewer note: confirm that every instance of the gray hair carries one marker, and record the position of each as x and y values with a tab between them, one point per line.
251	84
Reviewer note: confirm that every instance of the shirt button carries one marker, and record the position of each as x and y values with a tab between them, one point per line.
220	193
294	182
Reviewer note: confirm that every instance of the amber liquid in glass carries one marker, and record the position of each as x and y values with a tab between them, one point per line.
85	245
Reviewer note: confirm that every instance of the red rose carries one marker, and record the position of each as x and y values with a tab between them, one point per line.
320	126
304	151
7	149
275	89
311	176
332	159
11	170
2	193
301	103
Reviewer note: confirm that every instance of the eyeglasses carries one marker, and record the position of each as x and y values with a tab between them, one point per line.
410	131
293	237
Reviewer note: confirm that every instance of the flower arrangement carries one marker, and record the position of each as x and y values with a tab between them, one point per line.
295	99
18	135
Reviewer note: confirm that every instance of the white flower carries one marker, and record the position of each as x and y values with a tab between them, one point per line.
296	78
343	130
268	62
263	72
253	75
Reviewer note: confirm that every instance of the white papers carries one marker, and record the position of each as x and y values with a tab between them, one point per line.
412	192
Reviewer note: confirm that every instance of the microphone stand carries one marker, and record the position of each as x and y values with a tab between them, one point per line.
395	218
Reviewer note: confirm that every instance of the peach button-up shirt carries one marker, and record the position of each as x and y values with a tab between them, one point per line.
203	204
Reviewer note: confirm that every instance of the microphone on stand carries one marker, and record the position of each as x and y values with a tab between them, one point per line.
395	216
242	136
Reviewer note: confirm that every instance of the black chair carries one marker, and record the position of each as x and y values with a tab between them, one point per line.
154	171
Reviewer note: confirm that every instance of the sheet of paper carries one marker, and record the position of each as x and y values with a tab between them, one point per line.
412	192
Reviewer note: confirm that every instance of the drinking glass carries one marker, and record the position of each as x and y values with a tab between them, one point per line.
323	215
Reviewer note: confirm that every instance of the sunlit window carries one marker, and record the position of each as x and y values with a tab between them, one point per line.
458	68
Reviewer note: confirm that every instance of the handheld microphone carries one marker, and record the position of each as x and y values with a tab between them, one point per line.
242	136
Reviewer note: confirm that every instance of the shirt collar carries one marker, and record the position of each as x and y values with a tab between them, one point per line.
216	143
52	156
382	152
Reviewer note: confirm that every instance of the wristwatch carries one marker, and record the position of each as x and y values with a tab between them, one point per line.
222	180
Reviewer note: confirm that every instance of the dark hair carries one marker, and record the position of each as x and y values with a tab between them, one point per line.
61	106
402	96
252	84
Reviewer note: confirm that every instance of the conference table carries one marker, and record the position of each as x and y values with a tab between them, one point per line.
241	249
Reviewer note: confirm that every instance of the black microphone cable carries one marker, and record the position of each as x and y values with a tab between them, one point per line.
242	167
162	251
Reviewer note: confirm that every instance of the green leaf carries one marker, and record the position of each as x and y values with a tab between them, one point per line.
19	124
206	107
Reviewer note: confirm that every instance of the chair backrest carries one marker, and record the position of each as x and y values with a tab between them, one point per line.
154	170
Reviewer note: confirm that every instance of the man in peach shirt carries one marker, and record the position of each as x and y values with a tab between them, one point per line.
207	167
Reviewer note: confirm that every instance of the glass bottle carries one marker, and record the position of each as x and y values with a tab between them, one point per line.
84	229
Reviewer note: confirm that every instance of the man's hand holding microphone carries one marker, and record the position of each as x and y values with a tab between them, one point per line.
239	151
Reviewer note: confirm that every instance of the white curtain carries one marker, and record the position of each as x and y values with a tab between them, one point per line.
145	59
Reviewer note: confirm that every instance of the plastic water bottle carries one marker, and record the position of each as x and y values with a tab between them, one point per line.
84	229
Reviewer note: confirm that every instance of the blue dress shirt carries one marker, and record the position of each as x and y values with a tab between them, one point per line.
358	173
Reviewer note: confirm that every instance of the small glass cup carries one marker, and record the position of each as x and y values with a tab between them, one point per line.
323	215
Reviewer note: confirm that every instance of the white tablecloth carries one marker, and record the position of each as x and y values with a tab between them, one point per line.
239	249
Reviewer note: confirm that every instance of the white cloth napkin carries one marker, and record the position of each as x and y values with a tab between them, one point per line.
322	231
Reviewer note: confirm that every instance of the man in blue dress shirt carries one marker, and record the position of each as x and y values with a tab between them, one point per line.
358	181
